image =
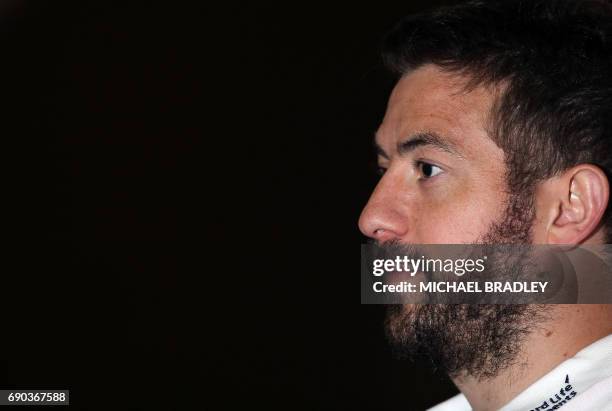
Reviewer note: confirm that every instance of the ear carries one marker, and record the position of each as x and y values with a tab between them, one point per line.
579	200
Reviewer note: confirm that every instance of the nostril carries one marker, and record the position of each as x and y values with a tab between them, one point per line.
381	235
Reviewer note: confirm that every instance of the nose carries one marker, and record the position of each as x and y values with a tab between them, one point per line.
384	218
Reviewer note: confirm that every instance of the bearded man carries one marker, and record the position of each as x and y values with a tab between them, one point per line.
499	131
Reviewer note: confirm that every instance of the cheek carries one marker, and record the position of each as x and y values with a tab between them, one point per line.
463	220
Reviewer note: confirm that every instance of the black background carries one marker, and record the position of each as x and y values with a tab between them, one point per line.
184	183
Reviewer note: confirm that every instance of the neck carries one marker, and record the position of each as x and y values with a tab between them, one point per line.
588	323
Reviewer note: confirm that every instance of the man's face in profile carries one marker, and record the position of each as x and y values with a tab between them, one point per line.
444	182
444	178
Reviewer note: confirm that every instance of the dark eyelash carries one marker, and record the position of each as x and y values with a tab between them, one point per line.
419	163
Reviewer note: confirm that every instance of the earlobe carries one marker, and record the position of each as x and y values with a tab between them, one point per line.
583	194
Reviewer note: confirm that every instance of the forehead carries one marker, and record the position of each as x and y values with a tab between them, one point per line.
430	100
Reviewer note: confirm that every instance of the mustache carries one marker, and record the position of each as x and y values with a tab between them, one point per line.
395	248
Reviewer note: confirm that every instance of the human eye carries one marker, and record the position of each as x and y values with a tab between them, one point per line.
380	170
428	170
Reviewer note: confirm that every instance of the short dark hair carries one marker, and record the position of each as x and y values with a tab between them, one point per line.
554	60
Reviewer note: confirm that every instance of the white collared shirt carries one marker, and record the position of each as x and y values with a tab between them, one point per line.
583	382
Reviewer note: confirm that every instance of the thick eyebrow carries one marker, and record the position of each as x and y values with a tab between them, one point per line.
419	140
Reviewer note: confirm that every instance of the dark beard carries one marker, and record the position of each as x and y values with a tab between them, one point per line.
477	340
